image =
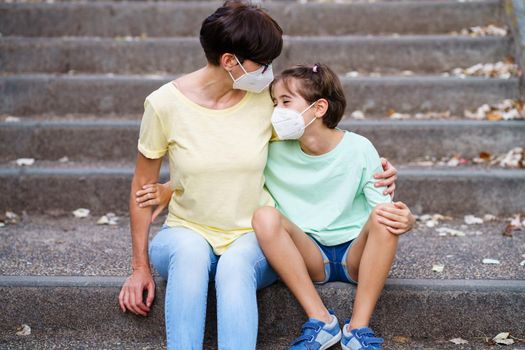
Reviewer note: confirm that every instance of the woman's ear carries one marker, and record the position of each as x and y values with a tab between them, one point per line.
320	108
228	61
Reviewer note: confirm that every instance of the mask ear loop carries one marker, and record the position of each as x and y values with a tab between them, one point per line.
240	64
307	108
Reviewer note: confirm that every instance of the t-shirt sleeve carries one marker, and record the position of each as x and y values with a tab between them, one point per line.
374	195
152	143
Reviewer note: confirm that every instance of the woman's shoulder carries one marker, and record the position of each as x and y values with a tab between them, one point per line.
161	95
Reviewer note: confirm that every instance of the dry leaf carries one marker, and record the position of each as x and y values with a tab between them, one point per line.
81	213
64	160
491	262
11	119
438	267
472	220
357	115
444	231
400	339
458	341
503	339
25	161
108	219
23	330
522	263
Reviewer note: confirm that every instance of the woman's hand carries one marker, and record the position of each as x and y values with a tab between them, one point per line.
130	296
389	176
396	217
155	194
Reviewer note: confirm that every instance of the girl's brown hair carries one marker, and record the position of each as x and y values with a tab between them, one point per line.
316	82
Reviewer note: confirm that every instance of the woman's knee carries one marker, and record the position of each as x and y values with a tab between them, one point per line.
266	222
179	247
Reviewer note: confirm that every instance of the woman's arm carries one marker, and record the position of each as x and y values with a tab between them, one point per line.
396	216
130	298
388	178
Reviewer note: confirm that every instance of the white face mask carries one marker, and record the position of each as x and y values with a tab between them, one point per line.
255	81
289	124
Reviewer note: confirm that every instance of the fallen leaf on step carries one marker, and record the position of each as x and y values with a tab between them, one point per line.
25	161
2	224
10	218
491	262
458	341
63	160
11	119
473	220
503	339
522	263
108	219
81	213
444	231
438	267
489	217
357	115
400	339
23	330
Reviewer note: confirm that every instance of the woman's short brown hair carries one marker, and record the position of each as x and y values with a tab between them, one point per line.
241	29
316	82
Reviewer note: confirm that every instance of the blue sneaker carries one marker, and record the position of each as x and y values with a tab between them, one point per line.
317	335
360	339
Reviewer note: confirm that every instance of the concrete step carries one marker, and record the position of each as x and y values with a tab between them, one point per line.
166	19
43	287
401	141
74	340
462	190
103	94
419	54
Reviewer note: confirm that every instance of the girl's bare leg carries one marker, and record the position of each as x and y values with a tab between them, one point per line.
294	256
369	261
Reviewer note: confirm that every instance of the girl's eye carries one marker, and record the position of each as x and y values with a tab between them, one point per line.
285	102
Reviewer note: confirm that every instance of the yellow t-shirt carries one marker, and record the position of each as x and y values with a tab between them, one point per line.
216	160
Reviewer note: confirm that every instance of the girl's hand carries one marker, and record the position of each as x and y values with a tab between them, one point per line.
396	217
155	194
389	176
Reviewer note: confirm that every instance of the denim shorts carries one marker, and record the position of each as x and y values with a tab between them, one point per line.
334	259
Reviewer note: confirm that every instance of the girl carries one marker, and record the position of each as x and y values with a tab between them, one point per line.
330	222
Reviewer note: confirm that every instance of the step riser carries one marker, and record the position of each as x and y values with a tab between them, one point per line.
405	310
420	55
401	142
447	192
121	95
176	19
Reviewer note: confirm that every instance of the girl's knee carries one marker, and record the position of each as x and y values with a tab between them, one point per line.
266	221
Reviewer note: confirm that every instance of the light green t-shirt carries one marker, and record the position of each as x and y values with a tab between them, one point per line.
329	196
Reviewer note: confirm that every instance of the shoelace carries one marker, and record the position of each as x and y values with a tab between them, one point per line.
308	332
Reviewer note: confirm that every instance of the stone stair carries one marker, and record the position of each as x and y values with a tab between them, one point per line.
76	75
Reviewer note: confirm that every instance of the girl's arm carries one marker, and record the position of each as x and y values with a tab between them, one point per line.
154	194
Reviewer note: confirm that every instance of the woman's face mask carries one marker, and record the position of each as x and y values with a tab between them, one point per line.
289	124
255	81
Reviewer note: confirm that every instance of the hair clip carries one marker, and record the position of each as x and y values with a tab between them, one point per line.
315	68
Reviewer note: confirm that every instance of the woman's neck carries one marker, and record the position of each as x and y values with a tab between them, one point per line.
211	87
320	140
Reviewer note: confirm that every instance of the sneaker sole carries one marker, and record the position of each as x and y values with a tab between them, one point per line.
333	341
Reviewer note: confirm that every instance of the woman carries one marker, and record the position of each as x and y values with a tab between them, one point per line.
215	126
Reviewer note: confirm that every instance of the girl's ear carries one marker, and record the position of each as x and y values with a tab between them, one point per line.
320	108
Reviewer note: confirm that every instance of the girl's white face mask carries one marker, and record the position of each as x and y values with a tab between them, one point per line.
255	81
289	124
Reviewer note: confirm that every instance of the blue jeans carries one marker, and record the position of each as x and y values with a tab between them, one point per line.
187	261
